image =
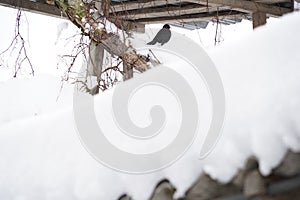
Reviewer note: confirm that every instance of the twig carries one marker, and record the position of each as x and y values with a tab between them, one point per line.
154	56
216	34
22	55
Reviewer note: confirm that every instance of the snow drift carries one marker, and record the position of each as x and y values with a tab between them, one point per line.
42	158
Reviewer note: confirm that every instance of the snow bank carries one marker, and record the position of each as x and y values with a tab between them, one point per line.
42	158
261	78
23	98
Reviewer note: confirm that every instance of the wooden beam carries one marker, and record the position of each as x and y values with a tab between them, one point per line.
36	7
130	5
245	6
167	11
121	24
95	60
259	19
193	17
161	11
272	1
133	26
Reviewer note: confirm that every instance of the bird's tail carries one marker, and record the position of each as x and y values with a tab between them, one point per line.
153	42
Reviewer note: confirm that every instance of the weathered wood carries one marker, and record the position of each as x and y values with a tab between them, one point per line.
115	46
272	1
121	24
127	25
245	6
36	7
167	11
122	6
109	41
53	11
161	11
104	6
95	62
130	13
259	19
194	17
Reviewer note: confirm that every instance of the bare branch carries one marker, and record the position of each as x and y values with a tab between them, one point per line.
17	45
83	14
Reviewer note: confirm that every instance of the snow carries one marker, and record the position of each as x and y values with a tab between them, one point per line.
46	40
32	97
42	157
262	71
60	28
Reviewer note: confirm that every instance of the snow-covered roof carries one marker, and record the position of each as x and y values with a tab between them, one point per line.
42	157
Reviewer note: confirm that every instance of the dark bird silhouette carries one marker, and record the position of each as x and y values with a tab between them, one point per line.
163	36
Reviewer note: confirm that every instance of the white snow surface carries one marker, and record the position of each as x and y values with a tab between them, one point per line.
42	157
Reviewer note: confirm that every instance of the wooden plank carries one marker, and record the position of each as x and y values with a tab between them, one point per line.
95	60
124	25
36	7
130	5
194	17
161	11
132	26
150	11
259	19
272	1
245	6
167	11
